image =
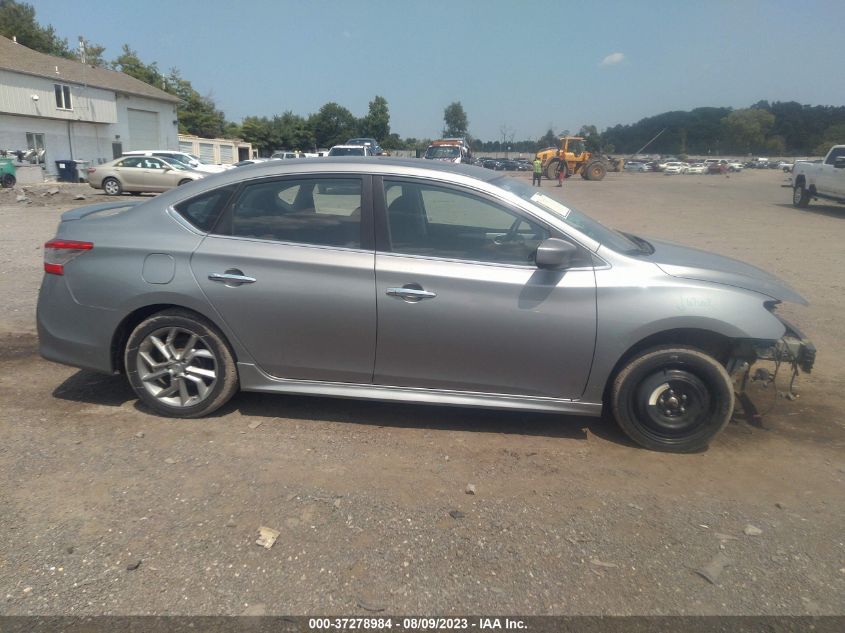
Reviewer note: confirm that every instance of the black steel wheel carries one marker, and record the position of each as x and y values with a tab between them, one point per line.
8	181
673	399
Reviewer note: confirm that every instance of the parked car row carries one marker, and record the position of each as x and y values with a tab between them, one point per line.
671	167
504	164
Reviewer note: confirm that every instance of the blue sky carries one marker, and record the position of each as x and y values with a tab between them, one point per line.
523	65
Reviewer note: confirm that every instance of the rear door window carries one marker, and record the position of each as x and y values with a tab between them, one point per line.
316	211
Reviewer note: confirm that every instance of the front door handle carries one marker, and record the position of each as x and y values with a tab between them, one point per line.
232	277
410	294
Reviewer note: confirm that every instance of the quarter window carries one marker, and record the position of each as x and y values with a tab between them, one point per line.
441	222
63	101
202	211
319	211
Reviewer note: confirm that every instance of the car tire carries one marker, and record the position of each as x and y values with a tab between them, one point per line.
112	187
8	181
180	365
800	197
184	181
673	399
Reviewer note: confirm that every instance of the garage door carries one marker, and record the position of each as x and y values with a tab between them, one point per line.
143	129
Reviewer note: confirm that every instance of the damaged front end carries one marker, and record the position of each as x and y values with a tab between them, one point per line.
793	352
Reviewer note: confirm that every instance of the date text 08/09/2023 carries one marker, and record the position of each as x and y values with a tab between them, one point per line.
415	624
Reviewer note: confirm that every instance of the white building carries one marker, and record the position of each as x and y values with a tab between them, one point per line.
78	112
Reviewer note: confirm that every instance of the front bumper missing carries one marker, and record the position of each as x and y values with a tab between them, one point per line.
793	350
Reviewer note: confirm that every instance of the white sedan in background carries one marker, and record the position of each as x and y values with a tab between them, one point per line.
675	167
696	168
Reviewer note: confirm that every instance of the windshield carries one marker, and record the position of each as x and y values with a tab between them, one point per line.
176	161
576	147
346	151
577	220
442	151
175	164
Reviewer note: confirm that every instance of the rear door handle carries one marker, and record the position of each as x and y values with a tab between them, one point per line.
410	294
232	278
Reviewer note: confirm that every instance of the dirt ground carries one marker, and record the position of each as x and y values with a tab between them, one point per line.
106	509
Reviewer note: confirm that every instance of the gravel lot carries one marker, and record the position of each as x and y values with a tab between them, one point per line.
567	516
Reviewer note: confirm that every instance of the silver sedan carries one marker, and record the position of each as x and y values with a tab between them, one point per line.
406	281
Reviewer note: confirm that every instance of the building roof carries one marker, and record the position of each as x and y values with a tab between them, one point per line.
18	58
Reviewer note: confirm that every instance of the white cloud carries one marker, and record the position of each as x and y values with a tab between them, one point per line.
613	59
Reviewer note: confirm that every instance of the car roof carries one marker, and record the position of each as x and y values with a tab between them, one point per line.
386	166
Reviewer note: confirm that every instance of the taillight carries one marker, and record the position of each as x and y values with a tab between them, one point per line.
57	253
91	170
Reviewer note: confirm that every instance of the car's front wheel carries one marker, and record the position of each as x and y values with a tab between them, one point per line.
674	399
180	365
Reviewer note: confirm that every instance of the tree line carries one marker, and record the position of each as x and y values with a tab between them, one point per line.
779	128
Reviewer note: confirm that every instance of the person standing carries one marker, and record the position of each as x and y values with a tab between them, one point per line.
561	173
538	172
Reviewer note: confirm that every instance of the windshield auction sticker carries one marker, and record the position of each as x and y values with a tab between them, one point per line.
551	204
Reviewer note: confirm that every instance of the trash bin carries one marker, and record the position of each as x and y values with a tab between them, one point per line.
82	171
67	171
7	172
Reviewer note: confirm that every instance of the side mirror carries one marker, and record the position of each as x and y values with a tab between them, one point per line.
839	162
555	253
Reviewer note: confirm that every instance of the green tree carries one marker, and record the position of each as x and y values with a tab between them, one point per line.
392	141
332	125
262	134
17	19
94	55
376	124
197	113
834	135
549	139
129	63
746	130
455	119
592	139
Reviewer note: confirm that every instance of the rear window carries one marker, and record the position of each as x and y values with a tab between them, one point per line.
203	210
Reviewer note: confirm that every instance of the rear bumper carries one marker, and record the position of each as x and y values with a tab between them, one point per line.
70	333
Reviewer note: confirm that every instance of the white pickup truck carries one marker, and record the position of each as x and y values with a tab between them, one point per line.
824	180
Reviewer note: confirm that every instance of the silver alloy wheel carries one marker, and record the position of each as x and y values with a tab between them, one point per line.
176	367
112	187
797	195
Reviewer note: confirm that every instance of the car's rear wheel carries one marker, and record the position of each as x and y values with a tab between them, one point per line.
112	187
180	365
674	399
8	181
800	197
